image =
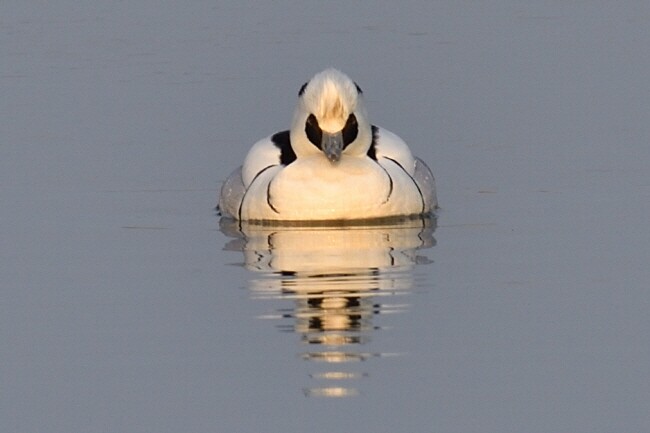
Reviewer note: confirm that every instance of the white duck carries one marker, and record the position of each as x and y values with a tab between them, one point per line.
333	165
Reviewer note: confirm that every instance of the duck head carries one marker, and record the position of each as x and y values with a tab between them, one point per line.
330	118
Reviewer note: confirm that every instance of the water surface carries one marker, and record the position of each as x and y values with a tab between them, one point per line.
126	307
331	285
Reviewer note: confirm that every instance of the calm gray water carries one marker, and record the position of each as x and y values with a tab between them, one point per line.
126	307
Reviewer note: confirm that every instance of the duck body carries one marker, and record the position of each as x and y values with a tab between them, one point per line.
332	165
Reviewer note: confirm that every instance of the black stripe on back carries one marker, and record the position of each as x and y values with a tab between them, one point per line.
372	151
414	182
268	197
241	205
390	184
282	141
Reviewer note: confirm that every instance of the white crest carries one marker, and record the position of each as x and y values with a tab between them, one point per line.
331	96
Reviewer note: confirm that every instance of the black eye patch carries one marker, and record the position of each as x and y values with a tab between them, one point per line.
313	131
315	134
350	130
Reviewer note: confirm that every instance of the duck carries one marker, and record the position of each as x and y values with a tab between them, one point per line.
331	165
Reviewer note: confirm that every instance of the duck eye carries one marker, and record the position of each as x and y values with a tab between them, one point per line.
350	130
313	131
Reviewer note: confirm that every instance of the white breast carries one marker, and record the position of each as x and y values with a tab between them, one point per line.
312	188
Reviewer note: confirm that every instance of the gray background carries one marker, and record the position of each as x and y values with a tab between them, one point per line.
121	309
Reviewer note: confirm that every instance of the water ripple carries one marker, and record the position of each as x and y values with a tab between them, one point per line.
333	282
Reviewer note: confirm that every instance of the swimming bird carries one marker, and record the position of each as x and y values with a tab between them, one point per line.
332	165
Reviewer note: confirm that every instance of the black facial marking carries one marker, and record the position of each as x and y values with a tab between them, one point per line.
313	131
302	89
359	91
350	130
372	151
282	141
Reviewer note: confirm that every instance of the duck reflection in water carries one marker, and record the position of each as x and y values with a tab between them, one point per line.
339	278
